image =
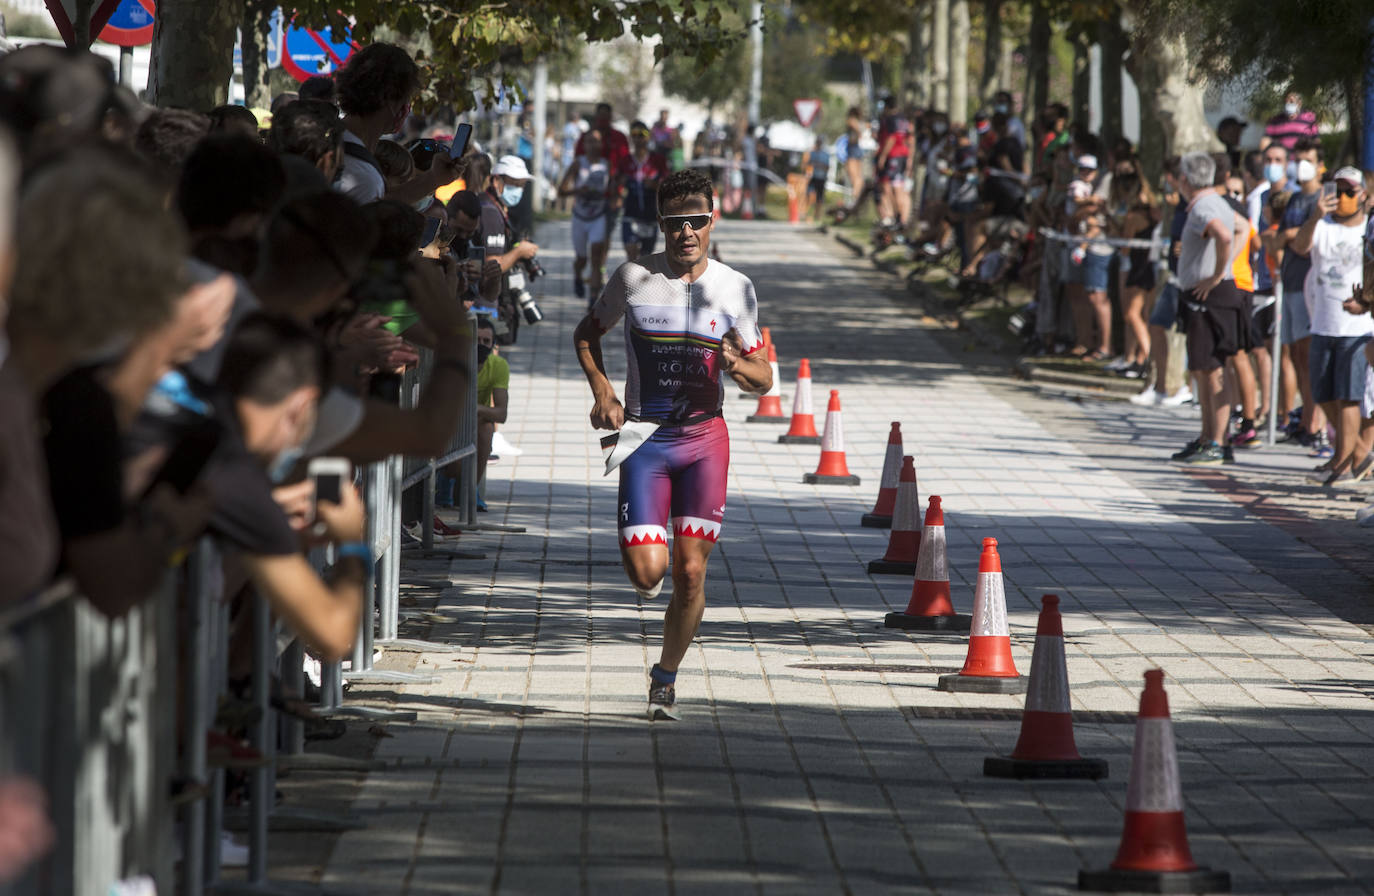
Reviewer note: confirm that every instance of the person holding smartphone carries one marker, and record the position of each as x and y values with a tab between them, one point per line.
688	319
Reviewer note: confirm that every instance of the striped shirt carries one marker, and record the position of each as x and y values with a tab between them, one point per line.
1286	131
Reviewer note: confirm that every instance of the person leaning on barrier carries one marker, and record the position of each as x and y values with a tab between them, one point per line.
267	401
493	398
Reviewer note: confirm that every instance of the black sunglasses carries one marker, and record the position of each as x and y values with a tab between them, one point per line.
1347	191
675	223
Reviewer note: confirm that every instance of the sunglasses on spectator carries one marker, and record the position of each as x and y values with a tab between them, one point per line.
1347	191
675	223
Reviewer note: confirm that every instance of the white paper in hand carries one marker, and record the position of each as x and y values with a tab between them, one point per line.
619	445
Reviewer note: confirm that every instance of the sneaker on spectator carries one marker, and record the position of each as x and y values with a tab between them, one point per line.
662	700
1228	456
417	532
1148	397
1363	468
1320	444
1179	398
1188	451
231	854
444	529
1209	455
1319	475
1117	364
1247	439
499	445
1135	371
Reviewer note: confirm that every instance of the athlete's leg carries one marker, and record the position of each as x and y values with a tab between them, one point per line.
685	610
645	496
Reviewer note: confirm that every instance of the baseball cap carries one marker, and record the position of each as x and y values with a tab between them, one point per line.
1350	175
512	167
1088	161
1231	119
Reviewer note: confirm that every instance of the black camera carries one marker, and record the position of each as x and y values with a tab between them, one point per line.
533	268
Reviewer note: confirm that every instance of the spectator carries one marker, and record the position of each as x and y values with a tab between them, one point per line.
638	180
893	166
53	99
1229	132
1255	187
309	129
493	399
850	152
228	187
1291	125
166	138
1240	371
818	163
397	165
588	180
1135	214
233	119
315	88
1003	104
1165	314
1334	238
1310	429
1090	265
375	88
1214	312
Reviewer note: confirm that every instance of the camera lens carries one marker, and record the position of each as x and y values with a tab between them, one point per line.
528	307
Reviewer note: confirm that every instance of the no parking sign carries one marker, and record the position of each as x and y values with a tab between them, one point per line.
306	52
131	24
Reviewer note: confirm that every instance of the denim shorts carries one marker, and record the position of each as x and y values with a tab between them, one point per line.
1296	323
1093	272
1338	367
1165	313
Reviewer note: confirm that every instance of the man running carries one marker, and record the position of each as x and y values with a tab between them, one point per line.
690	318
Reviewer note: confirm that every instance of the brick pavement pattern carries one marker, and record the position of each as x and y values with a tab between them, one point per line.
816	755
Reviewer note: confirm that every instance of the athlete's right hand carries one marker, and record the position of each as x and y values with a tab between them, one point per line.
608	413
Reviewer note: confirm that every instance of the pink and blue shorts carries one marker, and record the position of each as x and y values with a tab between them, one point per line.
678	475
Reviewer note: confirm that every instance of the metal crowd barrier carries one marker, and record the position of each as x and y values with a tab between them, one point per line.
85	705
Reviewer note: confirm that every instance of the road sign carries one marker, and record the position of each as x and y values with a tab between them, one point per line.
306	52
807	110
131	24
64	13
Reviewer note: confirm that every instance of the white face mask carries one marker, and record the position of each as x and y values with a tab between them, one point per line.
1290	109
1306	171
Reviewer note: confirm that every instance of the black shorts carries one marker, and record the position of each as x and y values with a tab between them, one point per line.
1262	325
1216	329
816	188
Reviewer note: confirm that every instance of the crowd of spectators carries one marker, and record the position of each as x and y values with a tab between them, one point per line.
198	306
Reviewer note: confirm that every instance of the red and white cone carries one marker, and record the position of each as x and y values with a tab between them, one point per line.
930	608
881	516
1046	748
904	542
988	666
803	428
1154	856
770	402
832	469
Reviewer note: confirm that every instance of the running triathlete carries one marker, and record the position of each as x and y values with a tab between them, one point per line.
688	319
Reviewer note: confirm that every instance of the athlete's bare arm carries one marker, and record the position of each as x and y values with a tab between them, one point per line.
752	373
607	411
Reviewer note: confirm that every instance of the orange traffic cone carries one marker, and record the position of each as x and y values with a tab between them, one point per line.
904	542
988	667
881	517
832	470
1154	855
770	402
803	428
930	609
1046	748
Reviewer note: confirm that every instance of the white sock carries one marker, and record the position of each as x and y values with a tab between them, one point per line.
651	593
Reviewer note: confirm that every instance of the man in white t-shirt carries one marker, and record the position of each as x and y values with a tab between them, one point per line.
1333	235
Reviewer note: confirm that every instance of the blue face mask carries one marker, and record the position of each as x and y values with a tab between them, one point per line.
284	463
511	196
1001	108
1274	172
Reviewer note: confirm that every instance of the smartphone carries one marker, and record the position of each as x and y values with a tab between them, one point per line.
330	475
1328	189
461	137
189	456
431	231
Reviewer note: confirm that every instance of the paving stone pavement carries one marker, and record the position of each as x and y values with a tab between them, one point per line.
816	755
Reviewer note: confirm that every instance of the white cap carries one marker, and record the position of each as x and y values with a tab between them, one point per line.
1089	162
512	167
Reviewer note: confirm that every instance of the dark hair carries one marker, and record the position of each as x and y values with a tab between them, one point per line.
600	106
484	323
167	137
1254	164
393	160
317	87
226	176
467	202
316	239
374	77
306	128
399	228
1174	166
1223	168
232	119
281	100
1306	144
684	183
478	170
52	97
268	357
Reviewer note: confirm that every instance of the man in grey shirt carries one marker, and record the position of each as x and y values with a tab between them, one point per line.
1215	311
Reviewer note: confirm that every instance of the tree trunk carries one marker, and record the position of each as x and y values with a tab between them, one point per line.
1038	60
1080	111
1171	110
992	50
939	69
1111	37
926	17
253	35
193	53
914	83
1354	106
958	60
